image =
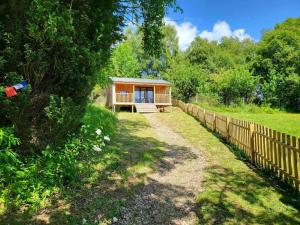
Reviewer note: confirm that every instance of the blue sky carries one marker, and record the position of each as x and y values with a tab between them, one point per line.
213	19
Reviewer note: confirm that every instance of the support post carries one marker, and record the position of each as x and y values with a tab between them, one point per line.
214	123
154	94
170	95
227	129
252	143
204	120
113	94
133	94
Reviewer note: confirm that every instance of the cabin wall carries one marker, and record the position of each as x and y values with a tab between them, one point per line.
162	89
128	88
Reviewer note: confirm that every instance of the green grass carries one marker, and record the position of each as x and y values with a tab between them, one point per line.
233	192
108	178
275	119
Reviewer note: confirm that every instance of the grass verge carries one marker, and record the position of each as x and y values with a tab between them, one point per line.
107	178
234	193
275	119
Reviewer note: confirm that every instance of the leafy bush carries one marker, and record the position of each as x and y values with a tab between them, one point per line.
32	179
236	85
236	108
187	79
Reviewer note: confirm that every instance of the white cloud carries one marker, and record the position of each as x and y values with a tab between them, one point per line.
186	32
222	29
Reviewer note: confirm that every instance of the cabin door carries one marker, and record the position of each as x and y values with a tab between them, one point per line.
144	95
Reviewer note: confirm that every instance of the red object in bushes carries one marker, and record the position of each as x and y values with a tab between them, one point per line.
10	91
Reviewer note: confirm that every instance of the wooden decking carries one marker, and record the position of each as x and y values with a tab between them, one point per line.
146	108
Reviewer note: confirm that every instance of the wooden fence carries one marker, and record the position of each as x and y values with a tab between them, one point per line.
267	148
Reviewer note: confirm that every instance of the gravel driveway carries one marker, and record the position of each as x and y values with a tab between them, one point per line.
169	195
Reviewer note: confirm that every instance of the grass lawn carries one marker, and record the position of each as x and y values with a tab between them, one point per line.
233	192
284	122
277	120
110	177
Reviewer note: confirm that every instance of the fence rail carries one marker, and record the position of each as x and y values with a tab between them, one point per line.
267	148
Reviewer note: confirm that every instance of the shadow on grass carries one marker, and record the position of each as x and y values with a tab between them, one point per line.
240	198
109	180
227	190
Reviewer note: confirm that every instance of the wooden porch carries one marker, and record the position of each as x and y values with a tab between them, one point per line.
141	96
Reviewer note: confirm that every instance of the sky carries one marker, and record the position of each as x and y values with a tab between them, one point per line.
214	19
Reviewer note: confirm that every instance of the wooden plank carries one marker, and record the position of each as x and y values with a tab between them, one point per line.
283	136
270	148
290	171
295	162
252	143
278	137
275	151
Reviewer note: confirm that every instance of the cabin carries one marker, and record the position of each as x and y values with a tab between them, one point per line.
140	95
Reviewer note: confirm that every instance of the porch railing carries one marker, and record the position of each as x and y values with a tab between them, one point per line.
124	97
162	98
128	98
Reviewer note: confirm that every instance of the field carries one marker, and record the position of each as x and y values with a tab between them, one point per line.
278	120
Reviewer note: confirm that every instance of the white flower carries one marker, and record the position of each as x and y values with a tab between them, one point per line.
83	221
106	138
98	132
115	220
97	148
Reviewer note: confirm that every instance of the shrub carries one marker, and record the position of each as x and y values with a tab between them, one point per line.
236	85
32	179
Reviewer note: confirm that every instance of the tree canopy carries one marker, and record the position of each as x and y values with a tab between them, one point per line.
59	47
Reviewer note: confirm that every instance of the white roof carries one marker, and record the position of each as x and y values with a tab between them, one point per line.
138	80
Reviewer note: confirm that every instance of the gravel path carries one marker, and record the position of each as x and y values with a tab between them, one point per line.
169	195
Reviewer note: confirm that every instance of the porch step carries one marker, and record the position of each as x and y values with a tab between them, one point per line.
146	108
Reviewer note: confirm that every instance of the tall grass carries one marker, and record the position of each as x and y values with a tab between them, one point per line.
30	180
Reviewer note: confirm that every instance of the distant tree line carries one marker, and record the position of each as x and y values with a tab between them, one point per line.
231	71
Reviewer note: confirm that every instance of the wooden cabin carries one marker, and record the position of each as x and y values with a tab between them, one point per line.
141	95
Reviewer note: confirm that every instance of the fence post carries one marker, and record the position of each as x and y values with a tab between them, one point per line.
252	143
204	120
227	129
214	122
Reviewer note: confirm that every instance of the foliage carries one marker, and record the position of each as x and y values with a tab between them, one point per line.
129	59
227	54
186	78
32	179
236	85
278	64
123	61
59	48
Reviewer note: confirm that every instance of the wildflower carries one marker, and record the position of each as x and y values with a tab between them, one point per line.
98	131
97	148
84	221
115	220
106	138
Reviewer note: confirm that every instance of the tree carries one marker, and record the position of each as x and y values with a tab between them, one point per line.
129	59
278	64
236	85
59	47
186	78
123	61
